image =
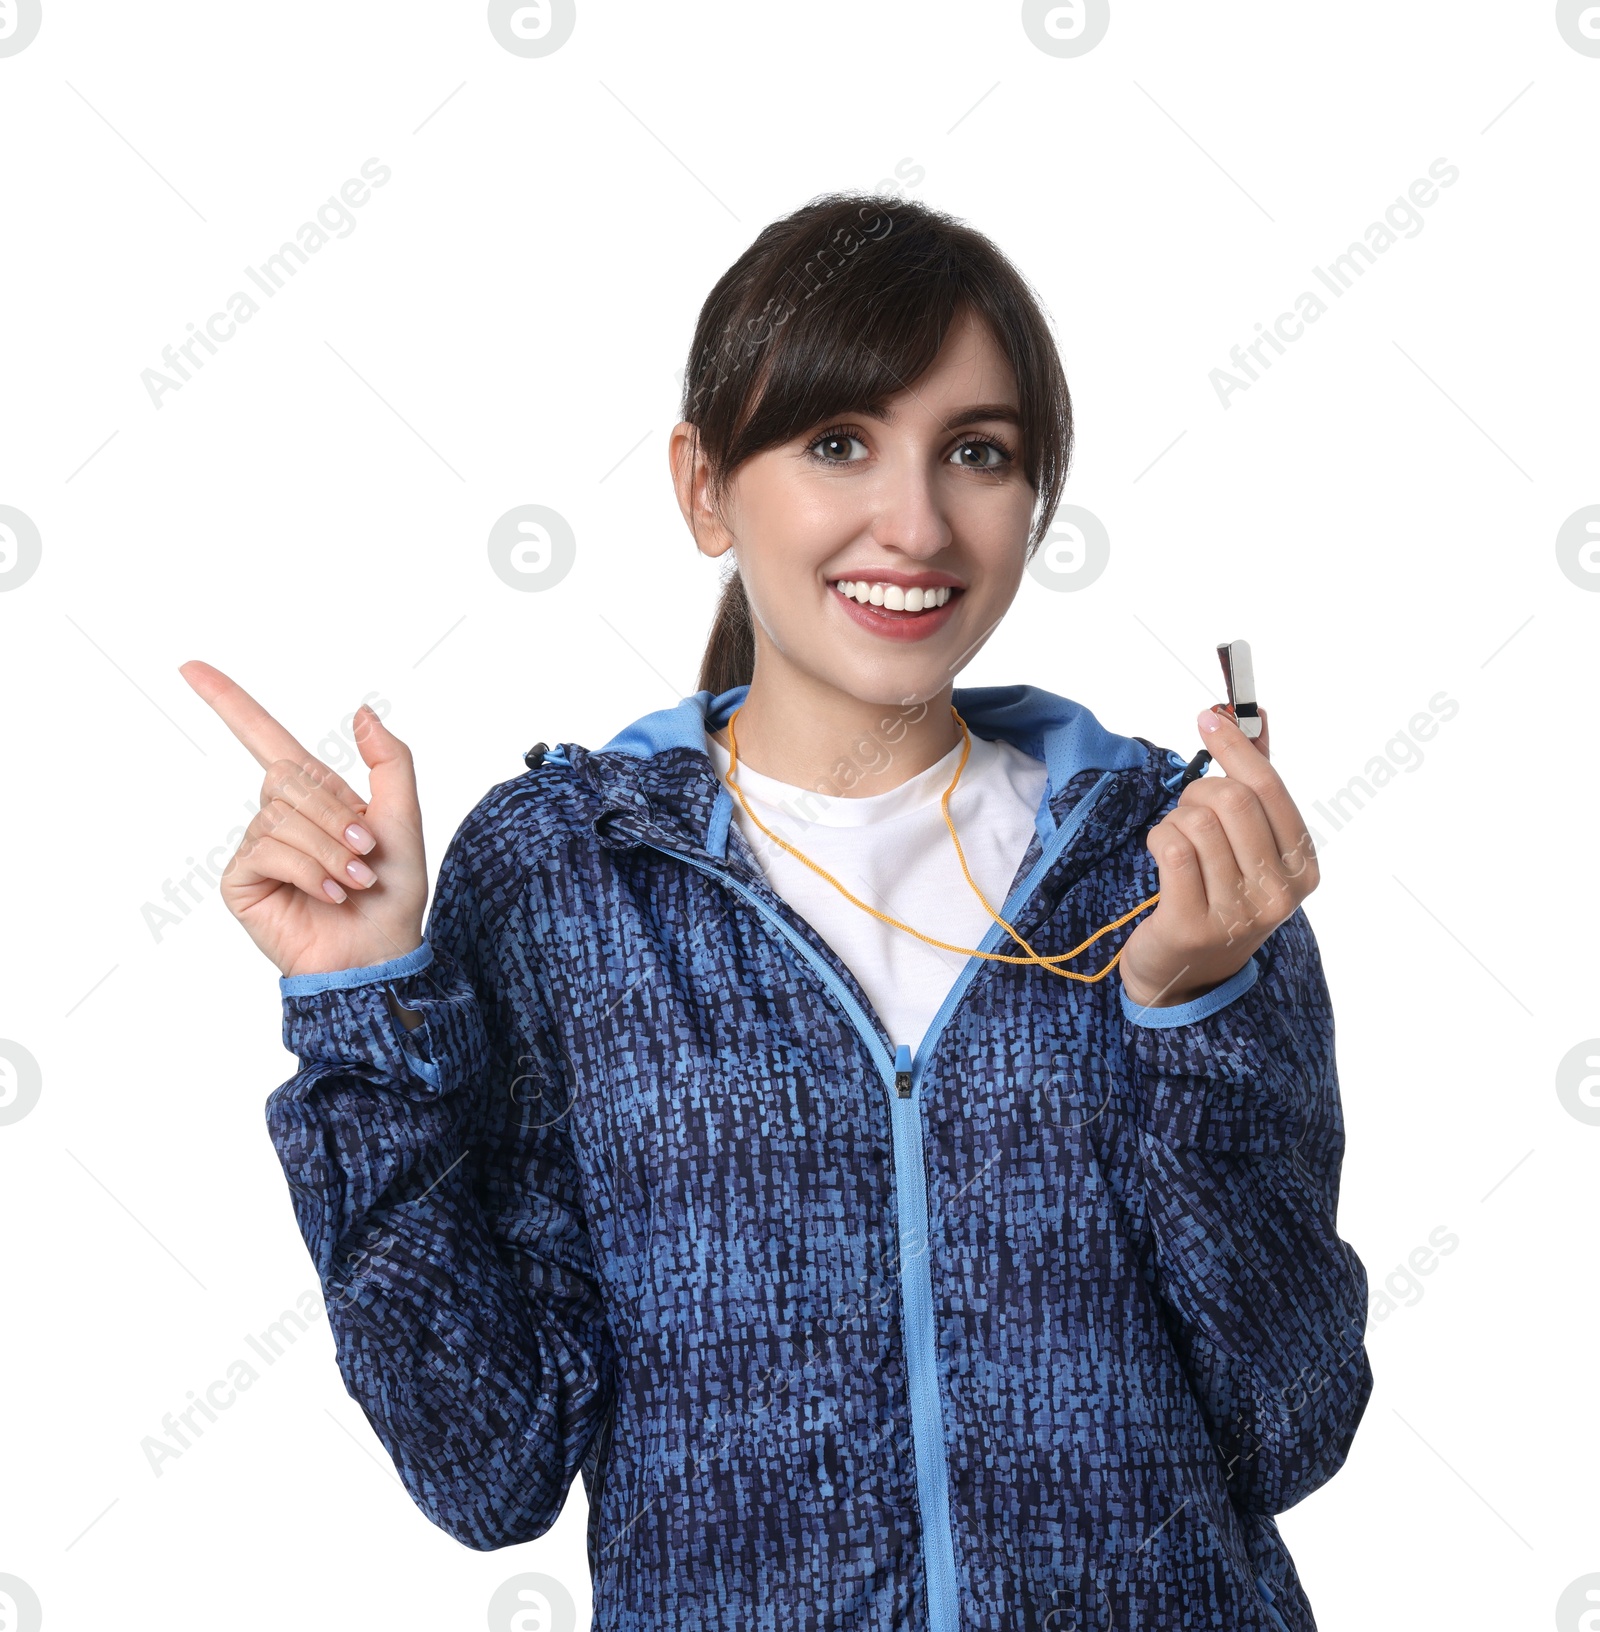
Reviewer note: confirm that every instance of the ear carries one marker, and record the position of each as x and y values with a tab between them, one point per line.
691	481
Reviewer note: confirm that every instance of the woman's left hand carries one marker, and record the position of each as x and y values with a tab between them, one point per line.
1235	860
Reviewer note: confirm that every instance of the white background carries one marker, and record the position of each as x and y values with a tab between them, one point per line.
505	324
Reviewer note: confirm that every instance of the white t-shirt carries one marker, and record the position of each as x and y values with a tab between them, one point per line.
893	850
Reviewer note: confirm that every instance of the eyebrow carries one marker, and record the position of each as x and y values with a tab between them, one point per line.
962	416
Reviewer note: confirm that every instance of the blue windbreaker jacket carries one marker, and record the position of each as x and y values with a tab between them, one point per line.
1034	1322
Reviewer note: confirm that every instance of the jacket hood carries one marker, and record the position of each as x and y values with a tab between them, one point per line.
655	778
1064	734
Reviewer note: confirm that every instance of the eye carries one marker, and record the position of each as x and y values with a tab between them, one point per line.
985	444
977	452
836	440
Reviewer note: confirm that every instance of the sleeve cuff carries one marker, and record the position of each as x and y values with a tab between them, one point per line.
411	1022
338	979
1183	1014
1226	1074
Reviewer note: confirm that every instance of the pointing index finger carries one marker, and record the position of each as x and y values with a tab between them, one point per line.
267	740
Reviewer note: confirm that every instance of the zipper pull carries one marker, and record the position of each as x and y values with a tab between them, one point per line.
902	1071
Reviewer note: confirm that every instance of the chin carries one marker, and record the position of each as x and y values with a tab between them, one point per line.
889	686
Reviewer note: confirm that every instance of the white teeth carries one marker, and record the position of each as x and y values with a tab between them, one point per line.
892	595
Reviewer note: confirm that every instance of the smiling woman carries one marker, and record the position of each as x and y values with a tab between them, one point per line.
923	299
755	1129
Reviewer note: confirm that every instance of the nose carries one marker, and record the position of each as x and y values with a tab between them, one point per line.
907	513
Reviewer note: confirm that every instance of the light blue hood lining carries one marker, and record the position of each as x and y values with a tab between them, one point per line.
1062	733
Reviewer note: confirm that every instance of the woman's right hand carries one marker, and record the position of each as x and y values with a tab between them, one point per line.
311	827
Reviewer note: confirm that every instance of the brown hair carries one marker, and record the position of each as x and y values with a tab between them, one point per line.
839	306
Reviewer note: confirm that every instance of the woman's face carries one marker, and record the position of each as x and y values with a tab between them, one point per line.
927	496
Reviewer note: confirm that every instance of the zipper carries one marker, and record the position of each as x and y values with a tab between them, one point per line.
902	1072
903	1075
1048	856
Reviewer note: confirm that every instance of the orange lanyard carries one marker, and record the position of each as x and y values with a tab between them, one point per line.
1046	963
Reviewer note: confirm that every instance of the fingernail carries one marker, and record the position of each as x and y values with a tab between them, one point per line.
332	890
361	872
1209	722
358	838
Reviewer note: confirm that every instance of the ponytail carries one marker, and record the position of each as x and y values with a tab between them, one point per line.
730	655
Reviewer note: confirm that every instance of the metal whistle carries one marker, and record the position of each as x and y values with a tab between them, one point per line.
1241	682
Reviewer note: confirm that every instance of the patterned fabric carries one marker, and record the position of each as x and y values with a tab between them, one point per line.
617	1173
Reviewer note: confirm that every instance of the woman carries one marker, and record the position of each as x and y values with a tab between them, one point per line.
775	1150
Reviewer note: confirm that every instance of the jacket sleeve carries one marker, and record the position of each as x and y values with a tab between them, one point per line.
1241	1141
428	1153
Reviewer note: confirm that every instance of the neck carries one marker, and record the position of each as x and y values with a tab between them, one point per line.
812	735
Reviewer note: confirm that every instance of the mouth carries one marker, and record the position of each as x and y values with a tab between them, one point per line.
895	610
